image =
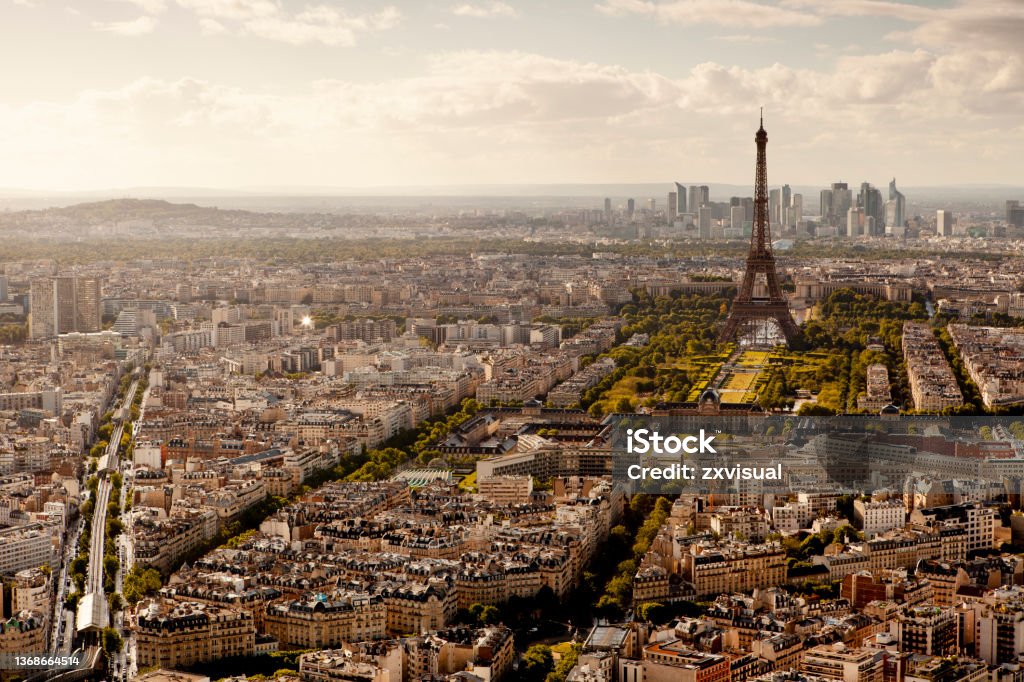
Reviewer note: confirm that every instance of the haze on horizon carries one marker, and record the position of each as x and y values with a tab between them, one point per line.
274	93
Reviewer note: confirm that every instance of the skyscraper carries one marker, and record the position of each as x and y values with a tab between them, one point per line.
698	196
826	206
787	198
670	209
870	200
854	222
1014	213
607	209
3	288
895	208
944	223
630	208
842	200
736	218
60	305
796	210
88	304
693	199
704	222
775	206
680	199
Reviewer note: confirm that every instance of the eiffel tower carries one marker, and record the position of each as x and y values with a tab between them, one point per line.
760	261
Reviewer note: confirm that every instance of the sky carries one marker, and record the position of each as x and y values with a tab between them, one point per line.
261	94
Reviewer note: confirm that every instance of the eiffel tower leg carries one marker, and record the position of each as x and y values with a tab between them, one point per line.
789	328
729	330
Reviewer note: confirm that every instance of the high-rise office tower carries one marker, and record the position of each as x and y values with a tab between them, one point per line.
680	199
748	208
895	208
699	196
796	210
787	198
826	206
693	199
1014	213
60	305
870	199
854	222
670	210
630	208
3	289
944	223
651	204
842	200
43	316
736	218
775	207
704	222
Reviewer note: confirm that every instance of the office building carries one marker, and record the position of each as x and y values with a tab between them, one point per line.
1014	213
870	201
61	305
825	205
842	201
699	195
787	198
680	199
704	222
895	210
943	223
854	222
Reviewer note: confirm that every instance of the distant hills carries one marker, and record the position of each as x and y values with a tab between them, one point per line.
335	199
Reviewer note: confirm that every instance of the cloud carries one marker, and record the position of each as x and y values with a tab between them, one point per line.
211	27
149	6
322	23
484	10
745	38
135	27
966	23
717	12
507	116
862	8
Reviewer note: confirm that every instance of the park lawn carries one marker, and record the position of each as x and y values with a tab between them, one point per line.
753	358
468	484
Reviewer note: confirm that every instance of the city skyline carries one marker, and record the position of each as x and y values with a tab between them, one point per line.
358	94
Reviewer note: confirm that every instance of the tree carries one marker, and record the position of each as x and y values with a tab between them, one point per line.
112	642
608	607
566	664
141	582
490	615
535	664
654	612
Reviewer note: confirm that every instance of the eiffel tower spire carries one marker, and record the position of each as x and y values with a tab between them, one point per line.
760	261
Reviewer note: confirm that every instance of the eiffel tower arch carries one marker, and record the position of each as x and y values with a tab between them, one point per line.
747	309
